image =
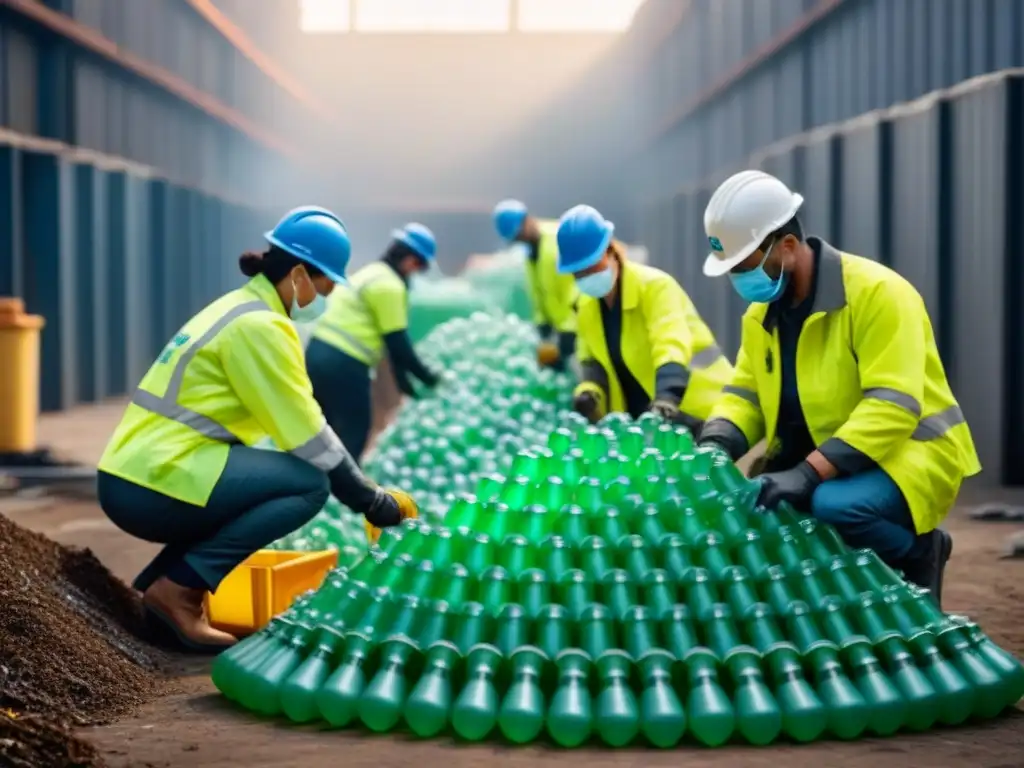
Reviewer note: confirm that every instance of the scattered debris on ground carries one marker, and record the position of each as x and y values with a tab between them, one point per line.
30	741
71	652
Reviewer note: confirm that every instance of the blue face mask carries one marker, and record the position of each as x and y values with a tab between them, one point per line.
598	285
756	286
312	311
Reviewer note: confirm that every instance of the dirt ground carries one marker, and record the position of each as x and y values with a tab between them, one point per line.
192	726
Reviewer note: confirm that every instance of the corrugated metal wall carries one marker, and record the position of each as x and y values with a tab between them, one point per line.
133	133
736	76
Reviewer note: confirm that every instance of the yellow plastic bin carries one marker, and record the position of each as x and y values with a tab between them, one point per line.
264	585
19	377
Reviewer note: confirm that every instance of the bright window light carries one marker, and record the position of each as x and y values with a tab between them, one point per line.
576	15
324	16
432	15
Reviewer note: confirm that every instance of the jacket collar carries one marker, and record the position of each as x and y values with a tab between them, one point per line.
829	289
629	285
265	291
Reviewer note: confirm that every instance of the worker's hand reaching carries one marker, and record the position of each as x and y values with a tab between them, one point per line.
548	355
669	411
794	486
587	405
400	501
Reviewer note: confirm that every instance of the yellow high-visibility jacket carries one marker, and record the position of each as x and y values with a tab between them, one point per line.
869	374
235	373
553	295
359	315
660	327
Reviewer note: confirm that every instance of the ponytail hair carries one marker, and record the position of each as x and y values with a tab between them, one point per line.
274	263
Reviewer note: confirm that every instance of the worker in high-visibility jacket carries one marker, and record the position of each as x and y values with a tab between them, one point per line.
552	295
178	470
641	344
364	319
838	371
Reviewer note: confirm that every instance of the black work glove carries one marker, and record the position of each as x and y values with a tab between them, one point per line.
794	486
586	404
544	330
431	380
670	412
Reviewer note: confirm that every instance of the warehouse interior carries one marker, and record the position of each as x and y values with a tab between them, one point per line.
516	564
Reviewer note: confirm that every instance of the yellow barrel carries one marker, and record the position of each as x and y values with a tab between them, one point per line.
19	377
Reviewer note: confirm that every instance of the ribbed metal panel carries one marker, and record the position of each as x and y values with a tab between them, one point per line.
986	144
89	12
21	72
792	114
865	186
1007	41
12	252
90	243
138	269
921	212
118	318
92	108
785	161
866	55
822	169
118	121
51	284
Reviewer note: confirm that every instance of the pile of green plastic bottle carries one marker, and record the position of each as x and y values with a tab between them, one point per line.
494	402
433	302
619	584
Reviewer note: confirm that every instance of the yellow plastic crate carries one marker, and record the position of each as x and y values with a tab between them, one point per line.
264	585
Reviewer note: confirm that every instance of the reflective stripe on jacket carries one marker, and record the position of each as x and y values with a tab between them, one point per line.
869	374
235	373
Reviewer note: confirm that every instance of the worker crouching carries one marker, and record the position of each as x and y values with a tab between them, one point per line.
838	370
178	470
641	344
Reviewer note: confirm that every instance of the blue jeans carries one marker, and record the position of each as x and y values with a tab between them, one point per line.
341	385
260	497
869	511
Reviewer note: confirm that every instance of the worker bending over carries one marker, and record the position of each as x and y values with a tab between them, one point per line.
364	318
553	295
641	344
839	372
178	471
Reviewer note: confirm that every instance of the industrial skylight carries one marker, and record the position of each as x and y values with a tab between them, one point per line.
466	16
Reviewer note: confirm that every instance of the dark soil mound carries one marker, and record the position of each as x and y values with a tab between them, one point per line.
69	635
33	742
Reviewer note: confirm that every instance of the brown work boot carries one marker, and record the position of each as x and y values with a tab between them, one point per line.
181	610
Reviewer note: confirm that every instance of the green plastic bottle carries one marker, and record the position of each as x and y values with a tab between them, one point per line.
299	692
475	712
522	712
570	716
428	706
338	698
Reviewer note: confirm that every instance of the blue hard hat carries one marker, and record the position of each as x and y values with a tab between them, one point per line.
316	236
583	237
418	238
509	216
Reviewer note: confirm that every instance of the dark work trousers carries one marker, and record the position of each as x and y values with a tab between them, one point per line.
261	496
341	385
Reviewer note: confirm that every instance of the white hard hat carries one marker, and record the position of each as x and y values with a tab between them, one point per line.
745	209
